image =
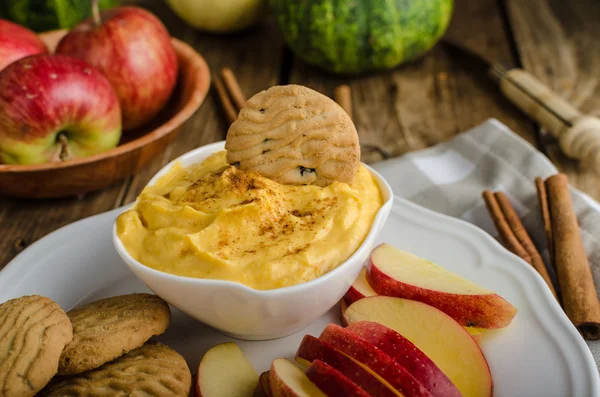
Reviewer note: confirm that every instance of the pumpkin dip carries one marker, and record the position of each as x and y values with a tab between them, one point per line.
215	221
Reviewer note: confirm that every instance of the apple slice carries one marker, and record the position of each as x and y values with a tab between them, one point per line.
407	355
397	273
263	382
476	333
332	382
343	307
224	371
312	349
359	289
287	380
389	371
436	334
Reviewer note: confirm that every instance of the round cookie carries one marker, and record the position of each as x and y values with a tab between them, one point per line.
294	135
151	370
108	328
33	332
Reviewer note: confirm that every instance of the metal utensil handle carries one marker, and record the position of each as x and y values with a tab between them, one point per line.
578	135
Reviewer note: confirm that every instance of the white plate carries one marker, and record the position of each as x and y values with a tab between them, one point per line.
539	354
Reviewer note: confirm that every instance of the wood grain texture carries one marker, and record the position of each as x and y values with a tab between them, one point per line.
558	43
428	101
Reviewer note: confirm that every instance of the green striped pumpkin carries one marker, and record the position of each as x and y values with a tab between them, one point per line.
356	36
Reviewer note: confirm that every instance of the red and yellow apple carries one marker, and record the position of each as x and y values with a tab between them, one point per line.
287	380
133	49
476	333
54	108
359	289
225	371
17	42
407	355
433	332
387	369
332	382
392	272
312	349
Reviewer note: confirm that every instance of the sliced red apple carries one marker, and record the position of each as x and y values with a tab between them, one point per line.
312	349
476	333
387	370
332	382
263	382
407	355
359	289
287	380
225	371
397	273
436	334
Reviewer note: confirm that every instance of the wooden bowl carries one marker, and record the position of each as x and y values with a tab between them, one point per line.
136	148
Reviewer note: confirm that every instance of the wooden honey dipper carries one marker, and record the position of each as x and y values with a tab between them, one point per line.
578	134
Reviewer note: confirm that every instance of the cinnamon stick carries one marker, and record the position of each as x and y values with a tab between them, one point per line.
233	88
508	237
545	211
514	235
226	104
343	96
579	296
523	237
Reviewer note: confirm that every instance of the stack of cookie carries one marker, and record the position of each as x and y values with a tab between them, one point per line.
100	349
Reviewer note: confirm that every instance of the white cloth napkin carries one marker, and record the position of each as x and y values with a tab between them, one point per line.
450	177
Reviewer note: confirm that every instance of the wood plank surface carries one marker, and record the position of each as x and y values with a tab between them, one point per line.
558	42
434	98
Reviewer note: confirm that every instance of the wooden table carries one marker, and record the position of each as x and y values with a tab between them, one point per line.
409	108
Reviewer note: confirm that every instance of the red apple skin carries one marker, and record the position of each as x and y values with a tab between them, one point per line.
44	95
133	49
17	42
408	355
366	353
263	382
493	311
312	349
355	292
352	295
332	382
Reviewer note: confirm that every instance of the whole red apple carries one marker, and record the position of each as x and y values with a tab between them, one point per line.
54	108
133	49
17	42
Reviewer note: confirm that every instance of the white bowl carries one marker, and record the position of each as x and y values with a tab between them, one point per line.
246	313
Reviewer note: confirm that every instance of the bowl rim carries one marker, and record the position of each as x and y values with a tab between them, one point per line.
378	221
199	69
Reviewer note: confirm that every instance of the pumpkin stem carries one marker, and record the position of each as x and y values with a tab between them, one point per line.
96	13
